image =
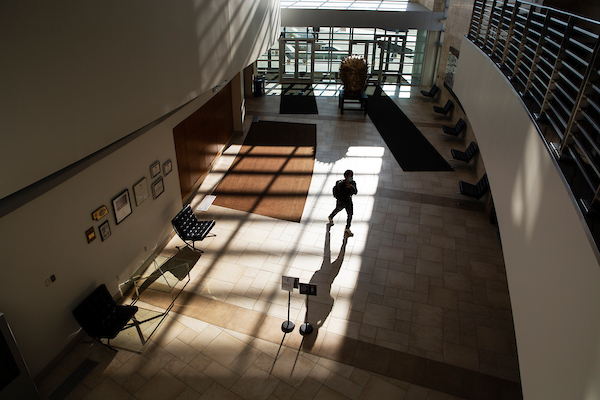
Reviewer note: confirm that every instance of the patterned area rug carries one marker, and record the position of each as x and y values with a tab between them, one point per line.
272	172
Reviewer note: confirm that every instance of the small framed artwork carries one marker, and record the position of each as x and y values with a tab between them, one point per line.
167	167
155	169
104	229
99	213
157	188
140	191
90	234
122	206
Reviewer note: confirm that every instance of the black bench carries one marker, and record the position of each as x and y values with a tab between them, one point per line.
444	110
475	191
431	93
190	229
456	129
467	155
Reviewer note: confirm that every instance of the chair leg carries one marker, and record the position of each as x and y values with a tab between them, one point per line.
191	246
139	331
107	344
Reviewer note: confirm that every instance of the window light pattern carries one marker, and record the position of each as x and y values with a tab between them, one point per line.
372	5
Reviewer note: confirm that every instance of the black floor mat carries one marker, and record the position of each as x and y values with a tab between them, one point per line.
298	104
408	145
298	99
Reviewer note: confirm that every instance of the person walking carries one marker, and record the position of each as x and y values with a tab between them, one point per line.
343	191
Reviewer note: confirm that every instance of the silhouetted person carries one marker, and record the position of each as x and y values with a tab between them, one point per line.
343	191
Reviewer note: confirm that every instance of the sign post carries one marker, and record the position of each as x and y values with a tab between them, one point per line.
288	283
309	289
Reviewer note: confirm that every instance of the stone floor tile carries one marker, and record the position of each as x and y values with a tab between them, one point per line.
109	389
377	388
161	386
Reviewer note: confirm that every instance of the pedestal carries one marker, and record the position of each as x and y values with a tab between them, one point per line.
306	329
287	326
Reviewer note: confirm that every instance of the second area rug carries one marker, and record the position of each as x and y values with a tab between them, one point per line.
272	172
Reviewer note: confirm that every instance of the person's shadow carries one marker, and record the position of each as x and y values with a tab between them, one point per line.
320	305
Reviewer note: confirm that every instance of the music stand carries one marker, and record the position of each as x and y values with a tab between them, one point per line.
288	283
309	289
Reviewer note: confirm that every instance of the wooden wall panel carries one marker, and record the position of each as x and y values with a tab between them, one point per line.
201	138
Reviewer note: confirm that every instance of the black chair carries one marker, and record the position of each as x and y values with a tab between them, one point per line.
456	129
190	229
475	191
101	318
467	155
432	92
444	110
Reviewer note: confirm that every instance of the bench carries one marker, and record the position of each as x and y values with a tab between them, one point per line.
456	129
467	155
444	110
431	93
475	191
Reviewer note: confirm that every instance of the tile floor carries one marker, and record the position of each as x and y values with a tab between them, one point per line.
414	306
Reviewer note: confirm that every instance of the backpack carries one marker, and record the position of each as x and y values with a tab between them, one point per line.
336	189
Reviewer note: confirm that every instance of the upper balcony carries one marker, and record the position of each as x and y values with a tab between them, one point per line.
527	77
384	14
551	59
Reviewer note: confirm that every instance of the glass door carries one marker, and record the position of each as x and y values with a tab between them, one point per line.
296	60
390	54
366	48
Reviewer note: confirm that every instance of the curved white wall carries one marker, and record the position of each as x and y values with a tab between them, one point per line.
552	269
77	75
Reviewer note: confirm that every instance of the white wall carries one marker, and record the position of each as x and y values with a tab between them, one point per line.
552	269
47	236
76	77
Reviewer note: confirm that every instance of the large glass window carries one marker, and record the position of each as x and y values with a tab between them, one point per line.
393	57
370	5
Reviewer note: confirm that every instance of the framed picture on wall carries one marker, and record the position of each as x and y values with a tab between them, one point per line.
104	229
122	206
157	188
99	213
167	167
155	169
90	234
140	191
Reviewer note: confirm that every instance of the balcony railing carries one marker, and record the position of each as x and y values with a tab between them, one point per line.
551	59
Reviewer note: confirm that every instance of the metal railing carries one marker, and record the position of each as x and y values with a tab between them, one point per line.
551	58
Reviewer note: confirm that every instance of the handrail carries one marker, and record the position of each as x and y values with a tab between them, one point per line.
581	17
522	39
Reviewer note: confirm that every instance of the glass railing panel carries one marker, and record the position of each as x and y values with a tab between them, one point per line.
555	120
590	145
590	162
563	104
538	96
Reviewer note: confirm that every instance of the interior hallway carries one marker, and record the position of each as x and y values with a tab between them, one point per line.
422	280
